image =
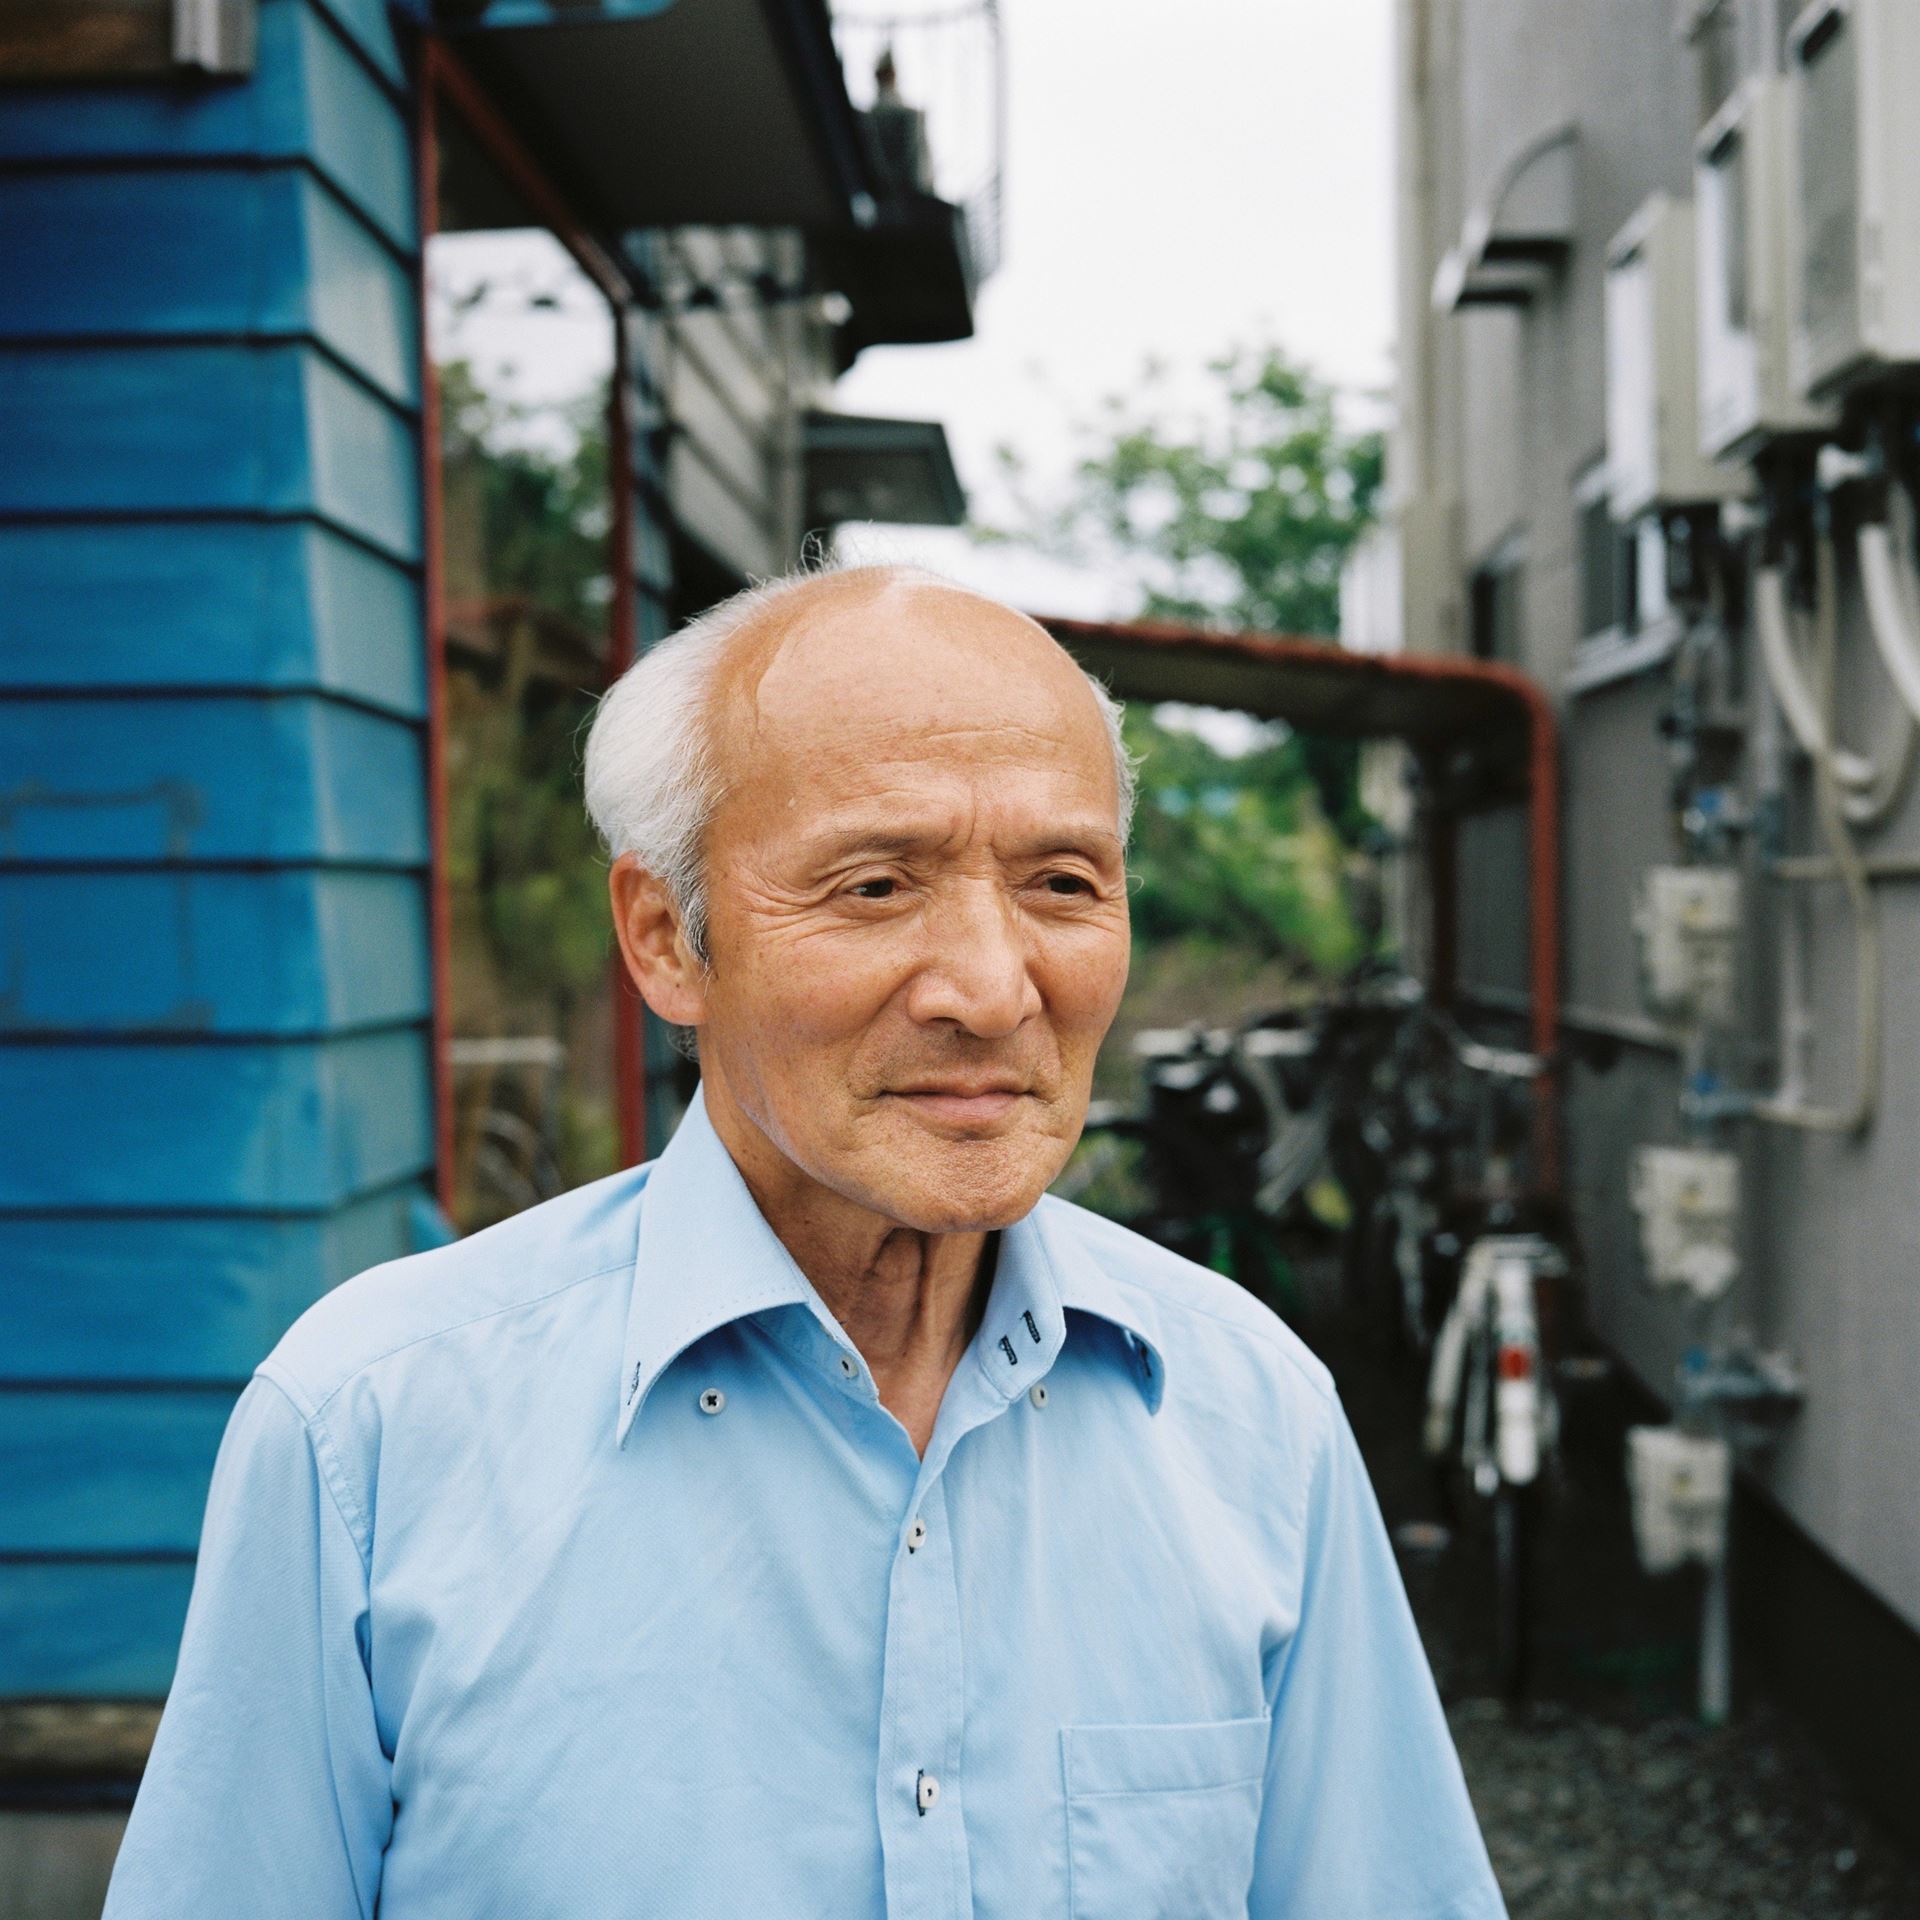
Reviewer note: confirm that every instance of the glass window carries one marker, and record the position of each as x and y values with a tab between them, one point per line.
523	344
1610	582
1494	605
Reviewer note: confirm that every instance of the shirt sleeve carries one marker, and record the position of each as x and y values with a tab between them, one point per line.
1365	1814
267	1791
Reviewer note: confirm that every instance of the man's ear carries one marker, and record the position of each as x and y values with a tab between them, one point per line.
665	969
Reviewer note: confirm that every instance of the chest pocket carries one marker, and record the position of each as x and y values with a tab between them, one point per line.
1161	1821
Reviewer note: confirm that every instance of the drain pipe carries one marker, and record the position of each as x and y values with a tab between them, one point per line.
1886	581
1783	1108
1868	792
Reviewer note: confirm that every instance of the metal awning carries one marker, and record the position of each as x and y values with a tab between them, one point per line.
1521	229
1430	701
666	113
862	468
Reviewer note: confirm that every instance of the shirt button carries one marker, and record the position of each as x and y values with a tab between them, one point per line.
916	1536
849	1365
712	1400
1037	1393
926	1791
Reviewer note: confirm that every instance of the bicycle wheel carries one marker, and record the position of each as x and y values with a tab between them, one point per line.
1513	1546
1373	1278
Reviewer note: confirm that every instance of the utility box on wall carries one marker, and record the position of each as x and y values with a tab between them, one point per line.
1653	436
1743	193
1853	67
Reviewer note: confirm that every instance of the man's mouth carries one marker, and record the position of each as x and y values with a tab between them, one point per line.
963	1100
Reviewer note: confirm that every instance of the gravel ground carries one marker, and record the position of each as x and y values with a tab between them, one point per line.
1589	1819
1609	1800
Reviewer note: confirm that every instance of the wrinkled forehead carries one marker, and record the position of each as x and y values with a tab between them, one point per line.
902	676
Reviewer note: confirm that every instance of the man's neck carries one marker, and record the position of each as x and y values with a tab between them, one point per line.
909	1300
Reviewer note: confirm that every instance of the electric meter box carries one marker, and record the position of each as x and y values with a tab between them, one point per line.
1688	1201
1688	920
1681	1485
1653	431
1743	267
1854	69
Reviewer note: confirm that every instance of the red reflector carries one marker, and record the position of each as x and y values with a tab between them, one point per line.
1516	1363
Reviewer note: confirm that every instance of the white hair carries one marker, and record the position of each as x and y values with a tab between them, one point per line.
651	784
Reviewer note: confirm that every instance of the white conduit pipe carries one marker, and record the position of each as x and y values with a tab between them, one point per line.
1868	792
1889	614
1851	871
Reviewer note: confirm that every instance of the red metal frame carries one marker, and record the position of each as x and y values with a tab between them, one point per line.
629	1050
1534	711
426	156
444	78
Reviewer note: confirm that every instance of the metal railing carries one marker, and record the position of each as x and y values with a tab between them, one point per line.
950	70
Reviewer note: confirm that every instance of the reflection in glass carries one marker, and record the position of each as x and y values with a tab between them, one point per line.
523	344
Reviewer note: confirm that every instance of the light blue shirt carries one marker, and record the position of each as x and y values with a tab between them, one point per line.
575	1569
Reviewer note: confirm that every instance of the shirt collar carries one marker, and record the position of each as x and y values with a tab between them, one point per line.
706	1257
1086	1284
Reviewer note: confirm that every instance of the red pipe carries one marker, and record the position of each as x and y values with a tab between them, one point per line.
1543	903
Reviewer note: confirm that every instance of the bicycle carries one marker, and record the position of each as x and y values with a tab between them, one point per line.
1493	1416
1452	1262
1221	1157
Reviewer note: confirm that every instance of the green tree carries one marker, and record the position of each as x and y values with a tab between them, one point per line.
528	491
1238	513
1240	516
1235	852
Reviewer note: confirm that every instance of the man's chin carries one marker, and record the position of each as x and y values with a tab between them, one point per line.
970	1185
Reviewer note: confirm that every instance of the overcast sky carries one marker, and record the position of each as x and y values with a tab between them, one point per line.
1182	175
1179	177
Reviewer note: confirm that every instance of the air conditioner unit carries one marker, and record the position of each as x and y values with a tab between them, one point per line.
1854	67
1653	433
1743	199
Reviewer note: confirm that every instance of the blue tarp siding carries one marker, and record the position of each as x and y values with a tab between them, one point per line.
214	984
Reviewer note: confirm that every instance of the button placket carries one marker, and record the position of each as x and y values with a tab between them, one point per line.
922	1825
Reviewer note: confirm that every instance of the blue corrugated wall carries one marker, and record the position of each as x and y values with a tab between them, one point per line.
214	984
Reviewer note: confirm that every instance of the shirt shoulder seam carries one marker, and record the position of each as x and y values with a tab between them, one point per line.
327	1460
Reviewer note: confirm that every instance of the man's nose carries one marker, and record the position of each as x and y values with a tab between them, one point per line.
978	970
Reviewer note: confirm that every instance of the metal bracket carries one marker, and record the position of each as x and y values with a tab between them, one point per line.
215	36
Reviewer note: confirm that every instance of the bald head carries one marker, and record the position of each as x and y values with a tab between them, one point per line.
752	694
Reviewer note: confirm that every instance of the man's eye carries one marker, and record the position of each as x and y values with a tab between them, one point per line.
874	889
1068	883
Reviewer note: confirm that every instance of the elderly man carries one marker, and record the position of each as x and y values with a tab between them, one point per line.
818	1520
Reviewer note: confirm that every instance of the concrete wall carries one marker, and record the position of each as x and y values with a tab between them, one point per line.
1501	413
735	381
